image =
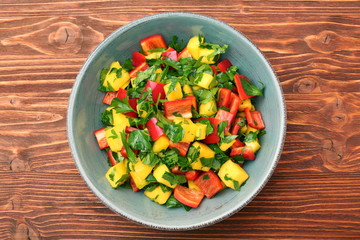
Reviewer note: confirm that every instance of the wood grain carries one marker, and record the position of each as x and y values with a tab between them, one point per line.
314	47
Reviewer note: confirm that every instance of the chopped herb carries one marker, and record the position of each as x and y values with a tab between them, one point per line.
175	44
206	177
140	140
155	50
122	105
151	159
236	183
251	137
173	178
249	88
123	178
221	128
175	132
129	152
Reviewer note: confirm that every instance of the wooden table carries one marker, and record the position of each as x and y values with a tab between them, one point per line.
314	47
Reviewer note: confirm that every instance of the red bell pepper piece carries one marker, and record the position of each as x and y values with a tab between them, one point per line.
235	103
224	115
130	129
123	152
101	139
176	170
154	130
152	42
247	153
239	87
224	97
141	67
236	127
133	104
187	196
192	175
212	137
254	119
157	90
181	107
109	96
180	147
170	53
133	185
184	54
193	101
209	183
137	59
111	158
214	70
237	144
224	65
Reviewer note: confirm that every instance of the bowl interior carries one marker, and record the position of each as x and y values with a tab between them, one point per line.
85	108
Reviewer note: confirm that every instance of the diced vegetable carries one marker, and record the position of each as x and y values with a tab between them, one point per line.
224	65
209	183
173	92
187	196
254	119
137	59
101	138
139	171
161	144
152	42
178	108
159	172
201	157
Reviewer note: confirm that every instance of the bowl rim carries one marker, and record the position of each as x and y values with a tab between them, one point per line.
75	155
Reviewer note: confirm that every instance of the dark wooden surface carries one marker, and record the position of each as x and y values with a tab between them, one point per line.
314	47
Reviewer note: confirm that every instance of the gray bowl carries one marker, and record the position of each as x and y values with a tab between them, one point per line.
85	107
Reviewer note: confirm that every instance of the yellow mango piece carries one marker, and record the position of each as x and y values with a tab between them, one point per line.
175	94
189	129
117	174
158	195
192	185
187	90
120	119
208	108
154	55
226	146
139	171
113	137
204	152
246	103
200	131
205	80
232	175
254	145
158	74
158	173
193	47
160	144
113	80
251	129
204	52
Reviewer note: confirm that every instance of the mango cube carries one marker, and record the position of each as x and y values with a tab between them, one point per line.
232	175
193	47
204	152
187	90
208	109
162	143
139	171
117	77
117	174
158	195
159	172
175	94
205	80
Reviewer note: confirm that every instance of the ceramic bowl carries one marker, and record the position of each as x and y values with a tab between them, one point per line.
85	108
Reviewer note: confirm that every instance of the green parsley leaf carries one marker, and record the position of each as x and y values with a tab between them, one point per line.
209	126
103	74
206	177
175	132
228	138
129	152
140	140
178	46
122	105
173	178
249	88
193	153
172	202
107	117
251	137
207	162
151	159
154	50
221	128
236	183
